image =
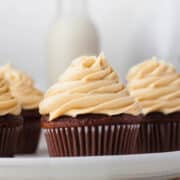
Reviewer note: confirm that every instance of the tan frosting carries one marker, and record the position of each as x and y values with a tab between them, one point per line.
89	85
22	87
8	103
156	86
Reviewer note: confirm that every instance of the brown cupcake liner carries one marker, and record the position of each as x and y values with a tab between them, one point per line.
8	140
10	126
29	135
92	140
28	138
159	135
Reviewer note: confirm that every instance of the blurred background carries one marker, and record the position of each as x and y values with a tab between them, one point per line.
127	31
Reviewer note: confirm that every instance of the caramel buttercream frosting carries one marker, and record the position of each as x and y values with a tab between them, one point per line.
155	84
8	103
22	87
89	85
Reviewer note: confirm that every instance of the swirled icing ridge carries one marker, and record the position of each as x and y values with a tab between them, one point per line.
156	86
8	103
89	85
22	87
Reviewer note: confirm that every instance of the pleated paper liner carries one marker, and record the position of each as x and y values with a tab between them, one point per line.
89	137
159	133
10	127
29	135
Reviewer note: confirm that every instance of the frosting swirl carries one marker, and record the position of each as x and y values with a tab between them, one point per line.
156	86
22	87
8	103
89	85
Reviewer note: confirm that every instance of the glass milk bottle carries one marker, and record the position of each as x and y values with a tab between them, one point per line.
73	34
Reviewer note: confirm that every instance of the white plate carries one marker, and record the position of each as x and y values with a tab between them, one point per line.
152	166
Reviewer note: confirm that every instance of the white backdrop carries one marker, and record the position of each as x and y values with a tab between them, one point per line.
130	31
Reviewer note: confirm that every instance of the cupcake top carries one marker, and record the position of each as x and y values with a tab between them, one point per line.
89	85
22	87
8	103
155	84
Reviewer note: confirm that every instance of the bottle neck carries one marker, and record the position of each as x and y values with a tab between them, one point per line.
73	7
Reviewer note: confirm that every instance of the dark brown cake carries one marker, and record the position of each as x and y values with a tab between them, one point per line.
10	126
30	133
159	133
91	134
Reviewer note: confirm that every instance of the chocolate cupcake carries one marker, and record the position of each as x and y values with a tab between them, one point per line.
22	87
89	112
10	120
156	86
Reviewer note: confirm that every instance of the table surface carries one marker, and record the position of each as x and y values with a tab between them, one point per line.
160	166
